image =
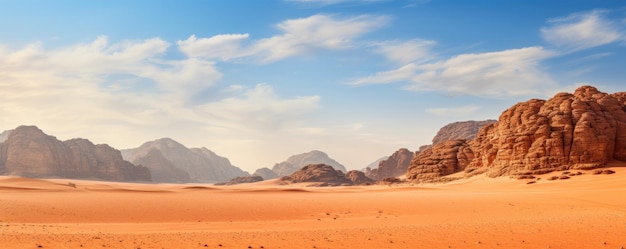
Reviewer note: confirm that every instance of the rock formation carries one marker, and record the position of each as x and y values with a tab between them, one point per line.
266	173
241	179
442	159
394	166
583	130
28	152
358	178
460	130
200	164
319	173
296	162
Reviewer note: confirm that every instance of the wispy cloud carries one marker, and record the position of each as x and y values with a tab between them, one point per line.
299	36
582	30
132	90
404	52
454	112
496	74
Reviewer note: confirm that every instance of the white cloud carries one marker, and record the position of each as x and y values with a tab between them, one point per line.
128	92
299	36
496	74
581	31
224	47
404	52
260	108
454	112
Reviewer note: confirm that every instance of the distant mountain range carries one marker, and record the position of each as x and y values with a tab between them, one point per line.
296	162
27	151
170	161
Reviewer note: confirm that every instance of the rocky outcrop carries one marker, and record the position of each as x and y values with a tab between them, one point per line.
394	166
583	130
358	178
318	173
200	164
296	162
266	173
325	175
460	130
442	159
241	179
29	152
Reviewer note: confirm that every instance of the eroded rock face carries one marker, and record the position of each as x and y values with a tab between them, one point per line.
442	159
394	166
358	178
29	152
583	130
318	173
460	130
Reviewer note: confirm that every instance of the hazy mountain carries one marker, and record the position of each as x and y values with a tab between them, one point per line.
201	164
296	162
29	152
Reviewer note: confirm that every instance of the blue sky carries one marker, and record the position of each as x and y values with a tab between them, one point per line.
258	81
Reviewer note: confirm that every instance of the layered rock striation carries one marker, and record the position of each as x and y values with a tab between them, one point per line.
583	130
29	152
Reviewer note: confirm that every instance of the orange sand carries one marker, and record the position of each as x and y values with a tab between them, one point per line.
587	211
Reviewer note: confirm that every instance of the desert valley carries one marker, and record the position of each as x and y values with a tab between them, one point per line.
547	174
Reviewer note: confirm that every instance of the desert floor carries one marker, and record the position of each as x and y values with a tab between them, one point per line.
586	211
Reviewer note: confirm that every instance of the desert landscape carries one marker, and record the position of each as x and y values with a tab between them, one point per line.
585	211
312	124
546	174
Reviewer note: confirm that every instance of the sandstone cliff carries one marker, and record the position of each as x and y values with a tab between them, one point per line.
583	130
200	164
394	166
28	152
296	162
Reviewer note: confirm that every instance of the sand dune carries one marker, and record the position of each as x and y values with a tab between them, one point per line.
586	211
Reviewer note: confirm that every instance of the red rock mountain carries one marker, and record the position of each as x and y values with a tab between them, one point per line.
28	152
394	166
398	163
326	175
171	160
583	130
